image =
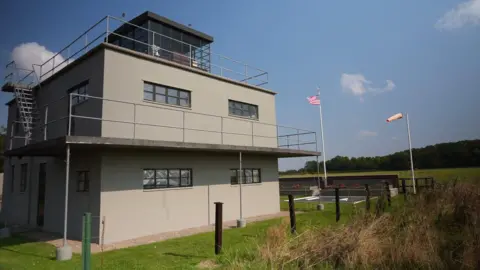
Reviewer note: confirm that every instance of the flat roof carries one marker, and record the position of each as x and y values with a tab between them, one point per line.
56	147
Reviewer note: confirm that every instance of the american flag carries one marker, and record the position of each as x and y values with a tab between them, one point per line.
313	100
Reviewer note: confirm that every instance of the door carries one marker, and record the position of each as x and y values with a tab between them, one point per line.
42	177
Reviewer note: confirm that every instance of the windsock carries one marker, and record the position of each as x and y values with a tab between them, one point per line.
395	117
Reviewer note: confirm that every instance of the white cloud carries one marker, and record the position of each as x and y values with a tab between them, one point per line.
464	13
27	54
367	133
358	85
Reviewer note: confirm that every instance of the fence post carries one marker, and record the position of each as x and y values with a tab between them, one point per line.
387	190
291	209
367	199
218	227
337	204
87	226
404	189
433	183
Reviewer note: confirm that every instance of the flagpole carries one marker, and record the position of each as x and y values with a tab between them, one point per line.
411	156
323	141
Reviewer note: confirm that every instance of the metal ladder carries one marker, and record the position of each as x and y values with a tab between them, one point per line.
23	81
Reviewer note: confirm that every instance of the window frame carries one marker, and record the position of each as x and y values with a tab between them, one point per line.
166	95
244	182
85	180
241	104
77	100
23	177
167	186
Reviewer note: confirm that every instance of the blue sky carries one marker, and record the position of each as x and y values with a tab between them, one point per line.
429	51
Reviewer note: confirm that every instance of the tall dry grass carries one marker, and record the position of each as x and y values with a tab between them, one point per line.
436	229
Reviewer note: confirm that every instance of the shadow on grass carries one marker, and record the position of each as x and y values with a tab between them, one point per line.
9	244
187	256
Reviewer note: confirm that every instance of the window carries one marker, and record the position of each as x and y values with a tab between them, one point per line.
165	94
17	123
23	177
12	179
81	89
83	181
166	178
242	109
249	176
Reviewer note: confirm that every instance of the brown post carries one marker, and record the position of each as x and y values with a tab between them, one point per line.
218	227
367	199
337	204
387	190
291	209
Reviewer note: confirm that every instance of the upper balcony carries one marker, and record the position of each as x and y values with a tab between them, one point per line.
151	34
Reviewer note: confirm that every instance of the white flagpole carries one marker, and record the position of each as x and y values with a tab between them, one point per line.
323	140
411	156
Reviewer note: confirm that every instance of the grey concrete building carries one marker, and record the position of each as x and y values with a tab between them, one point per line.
142	125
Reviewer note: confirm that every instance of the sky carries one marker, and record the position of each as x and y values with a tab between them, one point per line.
370	59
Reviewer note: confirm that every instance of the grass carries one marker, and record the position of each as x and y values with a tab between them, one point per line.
441	175
437	229
180	253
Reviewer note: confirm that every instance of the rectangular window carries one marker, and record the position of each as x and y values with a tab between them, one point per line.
23	177
82	91
12	179
166	94
83	181
249	176
242	109
166	178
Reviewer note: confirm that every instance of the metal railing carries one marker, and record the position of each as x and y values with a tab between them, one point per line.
194	57
253	132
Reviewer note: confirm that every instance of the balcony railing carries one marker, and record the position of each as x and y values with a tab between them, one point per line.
105	31
101	117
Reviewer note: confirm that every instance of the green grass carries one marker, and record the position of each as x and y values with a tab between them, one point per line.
180	253
464	174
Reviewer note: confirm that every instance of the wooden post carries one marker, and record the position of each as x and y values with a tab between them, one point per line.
337	204
367	199
291	209
218	227
387	190
404	189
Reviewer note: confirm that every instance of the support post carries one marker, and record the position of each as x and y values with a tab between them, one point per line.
86	240
291	209
65	252
387	190
337	203
240	222
218	227
367	199
404	189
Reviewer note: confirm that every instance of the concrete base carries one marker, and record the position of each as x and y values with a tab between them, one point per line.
4	233
64	253
241	223
320	207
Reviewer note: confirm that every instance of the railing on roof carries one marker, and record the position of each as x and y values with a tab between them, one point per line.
137	121
195	58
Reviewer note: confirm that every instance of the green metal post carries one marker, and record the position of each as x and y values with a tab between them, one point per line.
86	240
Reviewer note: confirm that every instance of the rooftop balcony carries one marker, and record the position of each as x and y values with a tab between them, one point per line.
154	35
178	127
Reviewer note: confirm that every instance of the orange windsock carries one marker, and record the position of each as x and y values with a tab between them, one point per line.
395	117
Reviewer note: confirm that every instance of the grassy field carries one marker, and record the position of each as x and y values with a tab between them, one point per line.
464	174
180	253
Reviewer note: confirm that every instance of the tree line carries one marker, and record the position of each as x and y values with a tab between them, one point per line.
444	155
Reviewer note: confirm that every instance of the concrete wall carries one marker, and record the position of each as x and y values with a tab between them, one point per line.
53	94
20	208
124	78
132	212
